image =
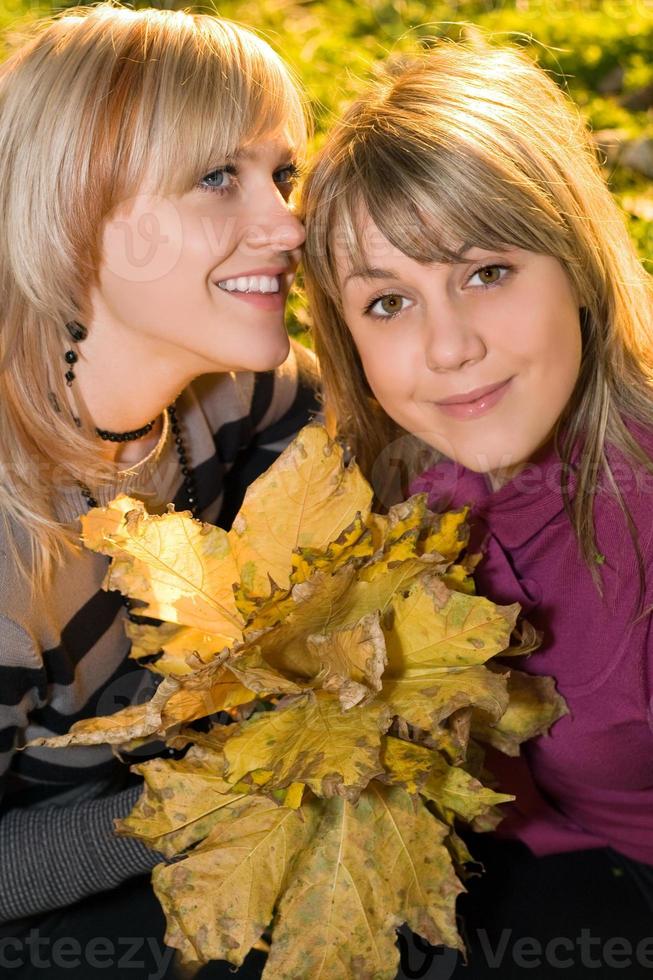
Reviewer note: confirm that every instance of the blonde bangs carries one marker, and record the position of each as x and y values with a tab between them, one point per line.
228	93
431	199
182	93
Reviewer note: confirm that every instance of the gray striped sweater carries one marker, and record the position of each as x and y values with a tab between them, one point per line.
65	657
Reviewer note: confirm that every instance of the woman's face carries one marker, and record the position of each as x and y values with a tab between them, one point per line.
427	333
199	281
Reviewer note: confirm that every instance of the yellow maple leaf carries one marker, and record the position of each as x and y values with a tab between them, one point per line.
305	500
452	789
138	721
181	800
182	569
448	533
313	741
258	675
220	898
437	643
352	659
434	627
354	543
533	706
344	899
182	648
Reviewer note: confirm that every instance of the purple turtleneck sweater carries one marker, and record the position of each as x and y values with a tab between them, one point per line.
589	782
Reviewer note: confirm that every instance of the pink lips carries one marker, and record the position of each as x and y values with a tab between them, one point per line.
264	301
476	402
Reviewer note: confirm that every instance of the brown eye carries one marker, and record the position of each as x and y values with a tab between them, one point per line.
390	303
385	307
489	274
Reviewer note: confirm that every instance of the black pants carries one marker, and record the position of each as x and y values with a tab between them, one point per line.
578	915
585	914
116	935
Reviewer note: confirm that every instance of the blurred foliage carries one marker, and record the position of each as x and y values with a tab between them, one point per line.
598	50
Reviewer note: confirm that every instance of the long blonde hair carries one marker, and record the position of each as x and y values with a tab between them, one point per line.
479	144
91	101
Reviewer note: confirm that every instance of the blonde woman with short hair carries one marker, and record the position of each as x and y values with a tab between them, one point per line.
476	300
147	247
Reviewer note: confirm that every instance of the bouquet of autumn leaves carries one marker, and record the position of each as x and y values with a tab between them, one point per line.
358	665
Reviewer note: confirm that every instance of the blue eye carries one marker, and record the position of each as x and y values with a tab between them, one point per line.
287	175
219	180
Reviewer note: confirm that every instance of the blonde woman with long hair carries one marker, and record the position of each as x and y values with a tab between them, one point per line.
147	248
476	300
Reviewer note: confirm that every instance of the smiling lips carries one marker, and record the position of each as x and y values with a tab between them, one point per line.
264	280
474	403
262	288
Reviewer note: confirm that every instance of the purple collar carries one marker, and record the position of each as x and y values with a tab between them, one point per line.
532	499
518	510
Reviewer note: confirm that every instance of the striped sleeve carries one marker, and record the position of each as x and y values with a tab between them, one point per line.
54	855
282	403
23	687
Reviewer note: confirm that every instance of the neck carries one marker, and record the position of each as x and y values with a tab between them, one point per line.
498	478
132	452
125	379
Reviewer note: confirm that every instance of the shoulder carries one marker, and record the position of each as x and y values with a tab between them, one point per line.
620	536
634	482
294	389
18	646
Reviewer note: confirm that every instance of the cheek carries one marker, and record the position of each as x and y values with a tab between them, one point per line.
561	346
145	247
386	362
207	240
156	264
548	337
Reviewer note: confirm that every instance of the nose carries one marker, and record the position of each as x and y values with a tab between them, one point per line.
276	226
451	340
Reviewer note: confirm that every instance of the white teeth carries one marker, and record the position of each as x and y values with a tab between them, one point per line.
251	284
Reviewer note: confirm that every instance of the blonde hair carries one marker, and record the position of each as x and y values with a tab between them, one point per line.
94	100
475	144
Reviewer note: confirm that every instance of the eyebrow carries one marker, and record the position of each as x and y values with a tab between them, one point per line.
369	273
243	153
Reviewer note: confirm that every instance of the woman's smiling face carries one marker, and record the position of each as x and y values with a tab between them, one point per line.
431	332
200	280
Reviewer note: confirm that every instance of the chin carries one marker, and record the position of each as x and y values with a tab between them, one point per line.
483	463
267	358
255	357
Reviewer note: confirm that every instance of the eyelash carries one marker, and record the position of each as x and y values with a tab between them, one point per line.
231	170
391	316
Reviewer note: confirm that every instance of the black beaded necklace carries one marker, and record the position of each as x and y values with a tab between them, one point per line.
190	487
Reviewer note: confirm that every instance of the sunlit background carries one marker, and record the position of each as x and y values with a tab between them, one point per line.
601	51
